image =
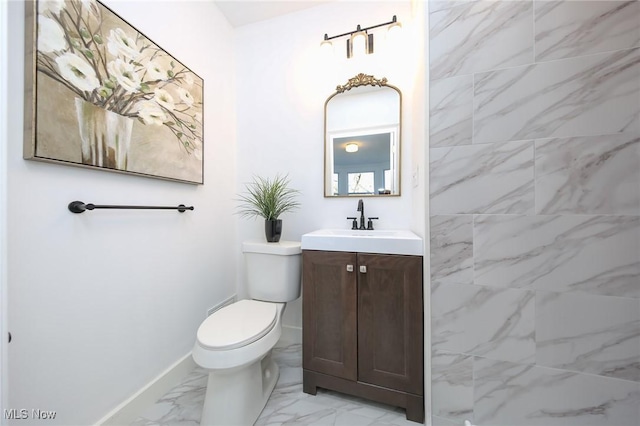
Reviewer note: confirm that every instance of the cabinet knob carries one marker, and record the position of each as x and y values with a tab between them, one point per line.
363	269
349	268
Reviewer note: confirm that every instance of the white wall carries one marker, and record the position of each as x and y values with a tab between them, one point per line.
102	302
282	84
4	105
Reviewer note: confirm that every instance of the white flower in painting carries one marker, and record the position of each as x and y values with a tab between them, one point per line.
151	113
185	96
119	43
50	35
77	71
188	79
156	72
53	6
88	4
125	74
92	7
163	98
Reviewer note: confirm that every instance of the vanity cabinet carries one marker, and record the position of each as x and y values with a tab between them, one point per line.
363	327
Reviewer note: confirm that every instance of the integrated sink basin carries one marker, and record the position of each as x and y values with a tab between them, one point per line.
382	241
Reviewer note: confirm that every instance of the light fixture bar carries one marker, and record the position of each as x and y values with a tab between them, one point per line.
358	29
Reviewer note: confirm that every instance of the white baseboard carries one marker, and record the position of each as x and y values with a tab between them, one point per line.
290	335
131	408
225	302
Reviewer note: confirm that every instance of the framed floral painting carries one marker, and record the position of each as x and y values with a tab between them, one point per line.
100	94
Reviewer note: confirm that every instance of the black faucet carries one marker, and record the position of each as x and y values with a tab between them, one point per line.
361	210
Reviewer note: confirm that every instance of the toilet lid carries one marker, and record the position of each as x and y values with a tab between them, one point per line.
237	325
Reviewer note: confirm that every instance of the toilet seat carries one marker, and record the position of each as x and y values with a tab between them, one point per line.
237	325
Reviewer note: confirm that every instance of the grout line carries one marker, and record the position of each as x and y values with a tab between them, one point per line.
473	108
541	138
583	215
551	368
473	246
535	180
528	64
533	14
586	55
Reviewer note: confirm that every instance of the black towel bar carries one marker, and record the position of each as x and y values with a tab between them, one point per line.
80	207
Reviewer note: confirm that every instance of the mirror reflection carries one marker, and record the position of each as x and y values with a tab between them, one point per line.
362	139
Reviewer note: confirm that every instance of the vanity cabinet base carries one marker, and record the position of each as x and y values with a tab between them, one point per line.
413	404
362	327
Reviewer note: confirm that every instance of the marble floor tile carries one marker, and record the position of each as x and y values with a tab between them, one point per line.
441	421
288	405
182	405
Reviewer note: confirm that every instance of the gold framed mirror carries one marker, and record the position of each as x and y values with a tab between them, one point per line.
362	129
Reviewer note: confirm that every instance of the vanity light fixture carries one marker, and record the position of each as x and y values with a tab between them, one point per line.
360	41
351	147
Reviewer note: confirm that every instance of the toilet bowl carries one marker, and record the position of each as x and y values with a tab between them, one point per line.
242	375
234	343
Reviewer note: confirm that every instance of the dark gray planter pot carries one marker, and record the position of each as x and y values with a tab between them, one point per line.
273	230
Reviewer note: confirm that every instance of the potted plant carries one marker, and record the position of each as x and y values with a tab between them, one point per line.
269	198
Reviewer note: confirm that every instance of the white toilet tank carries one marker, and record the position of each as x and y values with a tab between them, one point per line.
273	270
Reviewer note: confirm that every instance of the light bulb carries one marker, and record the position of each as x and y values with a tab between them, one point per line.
358	44
393	34
326	48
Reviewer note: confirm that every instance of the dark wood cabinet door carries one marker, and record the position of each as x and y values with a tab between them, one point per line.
329	305
390	322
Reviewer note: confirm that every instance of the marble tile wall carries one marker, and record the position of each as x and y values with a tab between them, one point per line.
535	212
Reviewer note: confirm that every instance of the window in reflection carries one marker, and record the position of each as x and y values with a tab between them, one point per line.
361	183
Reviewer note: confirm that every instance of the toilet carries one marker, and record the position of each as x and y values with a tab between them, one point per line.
234	343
